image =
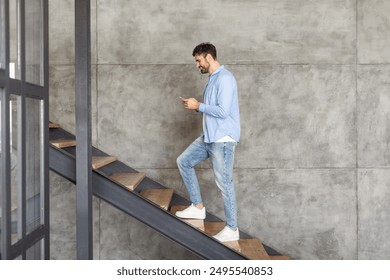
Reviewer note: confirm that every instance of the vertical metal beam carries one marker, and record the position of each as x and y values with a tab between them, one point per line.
83	129
22	159
5	151
45	206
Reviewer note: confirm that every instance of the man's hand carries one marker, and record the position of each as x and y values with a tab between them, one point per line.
190	103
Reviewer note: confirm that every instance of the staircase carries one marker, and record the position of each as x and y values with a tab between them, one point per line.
151	203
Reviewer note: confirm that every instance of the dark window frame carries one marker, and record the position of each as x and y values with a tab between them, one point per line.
23	89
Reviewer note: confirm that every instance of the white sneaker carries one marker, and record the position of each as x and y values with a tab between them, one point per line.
228	234
192	212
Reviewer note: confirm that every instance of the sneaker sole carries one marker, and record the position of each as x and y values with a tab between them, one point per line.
227	240
190	217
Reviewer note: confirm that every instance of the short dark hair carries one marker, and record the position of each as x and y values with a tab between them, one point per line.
205	48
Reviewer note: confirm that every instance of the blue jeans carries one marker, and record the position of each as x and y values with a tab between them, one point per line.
222	159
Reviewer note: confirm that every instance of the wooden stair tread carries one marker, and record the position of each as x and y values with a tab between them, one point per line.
100	161
212	228
63	143
129	180
54	125
253	249
199	224
161	197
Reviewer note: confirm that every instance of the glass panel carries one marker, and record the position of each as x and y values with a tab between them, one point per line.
34	162
14	65
34	41
2	35
15	122
35	251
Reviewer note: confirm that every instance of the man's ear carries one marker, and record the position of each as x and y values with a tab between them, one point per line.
209	58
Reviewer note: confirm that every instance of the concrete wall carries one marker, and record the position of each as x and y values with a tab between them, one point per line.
312	169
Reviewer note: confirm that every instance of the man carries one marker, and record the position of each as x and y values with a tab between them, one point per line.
221	132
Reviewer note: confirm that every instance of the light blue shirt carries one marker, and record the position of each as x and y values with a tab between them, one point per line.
220	107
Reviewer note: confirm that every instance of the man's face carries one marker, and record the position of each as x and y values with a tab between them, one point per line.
202	63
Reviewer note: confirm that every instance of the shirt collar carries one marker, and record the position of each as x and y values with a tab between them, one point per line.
218	70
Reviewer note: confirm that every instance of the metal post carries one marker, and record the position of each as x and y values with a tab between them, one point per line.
5	151
83	129
22	128
46	191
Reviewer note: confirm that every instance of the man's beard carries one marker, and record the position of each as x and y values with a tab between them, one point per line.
204	70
